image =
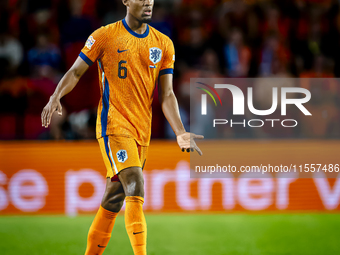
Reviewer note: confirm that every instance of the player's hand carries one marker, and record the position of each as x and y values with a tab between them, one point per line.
187	143
52	106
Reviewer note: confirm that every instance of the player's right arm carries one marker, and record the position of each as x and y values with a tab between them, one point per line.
93	50
66	84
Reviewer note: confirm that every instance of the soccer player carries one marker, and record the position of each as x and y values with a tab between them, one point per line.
131	57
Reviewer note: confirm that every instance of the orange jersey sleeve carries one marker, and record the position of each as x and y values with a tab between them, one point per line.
95	46
169	58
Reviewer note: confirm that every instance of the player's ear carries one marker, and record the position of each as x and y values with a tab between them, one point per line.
126	2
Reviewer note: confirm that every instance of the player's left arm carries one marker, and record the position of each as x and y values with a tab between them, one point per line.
170	109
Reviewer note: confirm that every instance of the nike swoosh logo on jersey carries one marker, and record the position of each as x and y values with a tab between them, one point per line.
100	246
120	51
135	233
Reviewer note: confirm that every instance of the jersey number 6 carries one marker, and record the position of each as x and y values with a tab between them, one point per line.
122	70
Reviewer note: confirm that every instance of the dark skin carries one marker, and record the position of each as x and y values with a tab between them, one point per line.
139	12
131	181
131	184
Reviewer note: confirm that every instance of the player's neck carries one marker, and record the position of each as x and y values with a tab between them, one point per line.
135	25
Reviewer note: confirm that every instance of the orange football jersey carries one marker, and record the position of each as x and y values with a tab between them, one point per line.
129	65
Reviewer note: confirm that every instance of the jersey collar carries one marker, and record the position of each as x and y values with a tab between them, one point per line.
146	33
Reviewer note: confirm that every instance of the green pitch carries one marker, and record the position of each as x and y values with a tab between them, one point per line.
180	234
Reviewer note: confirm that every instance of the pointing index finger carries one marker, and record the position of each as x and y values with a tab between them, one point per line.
198	150
198	136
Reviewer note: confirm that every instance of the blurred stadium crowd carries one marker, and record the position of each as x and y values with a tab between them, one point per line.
40	39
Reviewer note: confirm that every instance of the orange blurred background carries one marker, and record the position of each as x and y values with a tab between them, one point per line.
69	178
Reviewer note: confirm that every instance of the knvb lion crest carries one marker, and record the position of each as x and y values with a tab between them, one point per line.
122	156
155	55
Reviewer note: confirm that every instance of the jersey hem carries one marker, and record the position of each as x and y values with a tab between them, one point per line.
126	136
